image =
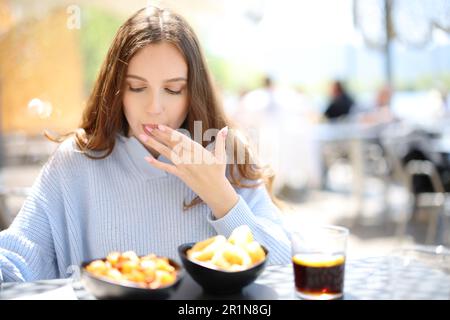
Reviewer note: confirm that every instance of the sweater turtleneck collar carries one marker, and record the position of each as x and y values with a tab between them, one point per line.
137	153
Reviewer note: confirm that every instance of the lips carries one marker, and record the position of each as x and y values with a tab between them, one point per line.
149	125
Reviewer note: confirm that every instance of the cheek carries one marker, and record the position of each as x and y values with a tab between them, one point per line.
129	112
129	103
178	111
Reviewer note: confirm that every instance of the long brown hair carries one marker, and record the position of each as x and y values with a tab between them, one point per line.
104	117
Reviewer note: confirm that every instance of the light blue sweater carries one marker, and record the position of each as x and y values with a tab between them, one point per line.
81	209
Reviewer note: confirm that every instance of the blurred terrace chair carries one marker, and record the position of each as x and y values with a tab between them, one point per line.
436	203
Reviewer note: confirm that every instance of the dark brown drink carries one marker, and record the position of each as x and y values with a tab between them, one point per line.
319	276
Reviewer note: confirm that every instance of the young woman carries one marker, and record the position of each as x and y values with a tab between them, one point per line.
129	178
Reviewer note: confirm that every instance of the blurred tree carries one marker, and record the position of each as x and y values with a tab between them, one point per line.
41	75
98	27
6	21
409	21
232	76
6	17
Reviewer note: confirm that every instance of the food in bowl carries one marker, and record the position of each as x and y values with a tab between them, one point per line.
148	271
237	253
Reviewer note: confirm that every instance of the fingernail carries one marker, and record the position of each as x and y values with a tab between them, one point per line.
143	137
225	131
149	159
161	127
149	129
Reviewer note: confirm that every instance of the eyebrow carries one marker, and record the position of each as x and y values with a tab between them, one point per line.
145	80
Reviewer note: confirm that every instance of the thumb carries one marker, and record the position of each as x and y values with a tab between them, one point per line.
219	150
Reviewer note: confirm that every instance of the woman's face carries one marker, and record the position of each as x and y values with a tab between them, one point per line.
155	90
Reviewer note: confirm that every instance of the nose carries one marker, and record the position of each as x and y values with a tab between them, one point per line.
154	105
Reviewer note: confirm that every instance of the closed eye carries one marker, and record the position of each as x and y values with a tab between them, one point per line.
172	91
137	89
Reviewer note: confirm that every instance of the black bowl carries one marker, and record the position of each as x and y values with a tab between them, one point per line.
217	281
104	288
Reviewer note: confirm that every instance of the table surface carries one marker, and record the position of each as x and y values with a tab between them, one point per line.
371	278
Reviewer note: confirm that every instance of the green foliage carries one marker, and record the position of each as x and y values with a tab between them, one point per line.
424	82
232	76
98	27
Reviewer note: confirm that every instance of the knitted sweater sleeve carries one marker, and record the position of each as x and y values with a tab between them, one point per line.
256	209
27	250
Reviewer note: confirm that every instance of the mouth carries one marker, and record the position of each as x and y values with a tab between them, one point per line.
149	125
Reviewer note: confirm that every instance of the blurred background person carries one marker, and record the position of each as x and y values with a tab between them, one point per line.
381	111
340	104
259	104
